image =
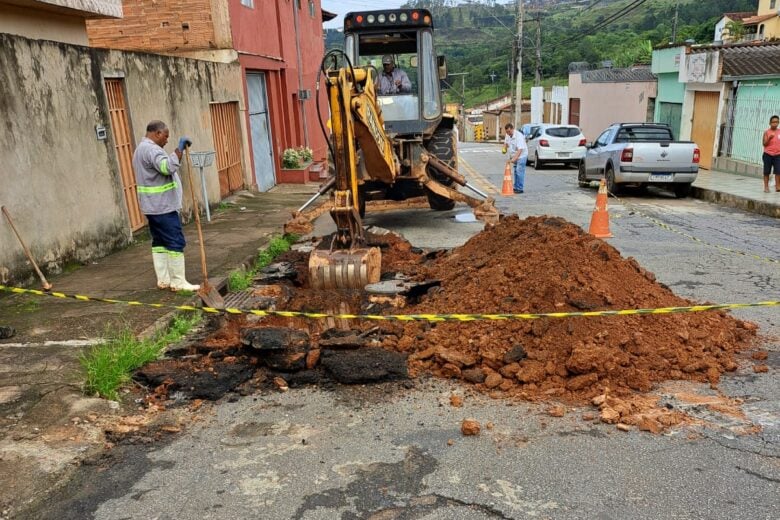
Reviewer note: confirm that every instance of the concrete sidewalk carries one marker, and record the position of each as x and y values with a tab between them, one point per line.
737	191
43	430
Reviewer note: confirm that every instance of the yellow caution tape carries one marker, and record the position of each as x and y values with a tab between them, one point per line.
404	317
667	227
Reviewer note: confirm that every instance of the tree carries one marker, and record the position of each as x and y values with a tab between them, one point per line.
735	30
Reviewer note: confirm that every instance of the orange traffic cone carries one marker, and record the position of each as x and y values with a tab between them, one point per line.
599	221
507	188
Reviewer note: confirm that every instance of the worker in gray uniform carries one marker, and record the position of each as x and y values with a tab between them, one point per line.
159	194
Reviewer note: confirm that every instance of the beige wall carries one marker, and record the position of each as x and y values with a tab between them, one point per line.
39	25
602	104
58	180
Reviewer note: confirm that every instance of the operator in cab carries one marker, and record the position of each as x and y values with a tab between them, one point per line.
392	80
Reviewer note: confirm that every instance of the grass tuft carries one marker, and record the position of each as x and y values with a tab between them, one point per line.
240	280
109	365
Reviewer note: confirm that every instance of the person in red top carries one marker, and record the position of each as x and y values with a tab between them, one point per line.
771	156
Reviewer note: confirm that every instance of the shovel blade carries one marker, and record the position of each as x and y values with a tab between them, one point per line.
210	296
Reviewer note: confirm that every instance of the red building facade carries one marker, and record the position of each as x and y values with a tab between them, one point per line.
280	48
278	45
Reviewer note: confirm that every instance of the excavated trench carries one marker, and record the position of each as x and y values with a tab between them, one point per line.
535	265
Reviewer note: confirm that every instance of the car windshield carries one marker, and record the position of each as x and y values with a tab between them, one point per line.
563	131
643	134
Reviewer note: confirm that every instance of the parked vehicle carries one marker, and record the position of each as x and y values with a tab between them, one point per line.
556	144
529	128
641	154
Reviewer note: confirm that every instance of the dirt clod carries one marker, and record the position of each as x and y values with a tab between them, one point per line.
609	415
556	411
470	427
760	369
456	401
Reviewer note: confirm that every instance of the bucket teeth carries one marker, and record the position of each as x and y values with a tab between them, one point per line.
344	269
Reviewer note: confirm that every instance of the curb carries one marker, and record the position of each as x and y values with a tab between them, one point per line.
736	201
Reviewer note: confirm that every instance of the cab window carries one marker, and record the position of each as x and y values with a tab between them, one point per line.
398	104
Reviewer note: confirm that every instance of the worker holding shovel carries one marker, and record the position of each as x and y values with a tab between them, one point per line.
160	196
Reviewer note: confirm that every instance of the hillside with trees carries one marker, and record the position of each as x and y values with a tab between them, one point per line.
478	36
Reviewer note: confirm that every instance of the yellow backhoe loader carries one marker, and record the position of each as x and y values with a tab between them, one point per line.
390	138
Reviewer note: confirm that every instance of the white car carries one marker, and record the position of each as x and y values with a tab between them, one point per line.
556	144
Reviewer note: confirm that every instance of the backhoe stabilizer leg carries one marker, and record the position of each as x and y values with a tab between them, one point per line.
484	210
445	169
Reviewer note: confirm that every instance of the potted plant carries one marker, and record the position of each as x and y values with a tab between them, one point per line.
295	165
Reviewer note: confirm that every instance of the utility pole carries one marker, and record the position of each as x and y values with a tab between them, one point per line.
518	101
676	17
538	76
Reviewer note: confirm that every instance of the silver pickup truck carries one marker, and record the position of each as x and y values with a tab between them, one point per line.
641	154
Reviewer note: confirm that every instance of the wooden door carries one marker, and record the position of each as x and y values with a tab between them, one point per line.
224	123
705	119
123	141
574	111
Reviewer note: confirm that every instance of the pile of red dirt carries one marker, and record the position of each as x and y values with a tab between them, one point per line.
546	264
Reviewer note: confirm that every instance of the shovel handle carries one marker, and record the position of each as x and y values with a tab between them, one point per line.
195	210
46	285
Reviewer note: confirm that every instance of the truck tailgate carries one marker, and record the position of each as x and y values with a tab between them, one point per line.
663	157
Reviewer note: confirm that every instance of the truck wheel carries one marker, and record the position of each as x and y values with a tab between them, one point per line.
682	190
612	186
442	146
582	178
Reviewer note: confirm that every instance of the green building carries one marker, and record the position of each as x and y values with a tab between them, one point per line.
671	92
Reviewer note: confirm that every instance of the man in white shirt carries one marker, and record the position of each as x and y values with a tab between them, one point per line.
518	155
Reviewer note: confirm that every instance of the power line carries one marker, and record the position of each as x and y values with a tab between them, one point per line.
628	9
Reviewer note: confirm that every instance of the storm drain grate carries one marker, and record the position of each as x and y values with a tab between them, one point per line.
245	300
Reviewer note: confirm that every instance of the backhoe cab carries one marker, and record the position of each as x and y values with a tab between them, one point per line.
414	119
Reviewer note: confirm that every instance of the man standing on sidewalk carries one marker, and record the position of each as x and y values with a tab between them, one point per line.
160	193
518	155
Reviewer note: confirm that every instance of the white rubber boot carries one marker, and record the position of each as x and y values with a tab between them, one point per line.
160	259
176	269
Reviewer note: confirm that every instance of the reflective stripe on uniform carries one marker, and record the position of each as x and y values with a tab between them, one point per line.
174	253
157	189
164	167
159	249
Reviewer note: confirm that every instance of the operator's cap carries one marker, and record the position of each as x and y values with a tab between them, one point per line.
387	59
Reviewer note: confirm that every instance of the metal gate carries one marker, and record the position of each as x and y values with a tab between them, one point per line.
671	114
261	131
705	119
123	141
224	123
748	110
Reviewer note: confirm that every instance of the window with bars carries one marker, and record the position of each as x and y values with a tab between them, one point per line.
248	3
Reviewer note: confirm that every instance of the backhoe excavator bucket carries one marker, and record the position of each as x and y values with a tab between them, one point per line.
344	269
